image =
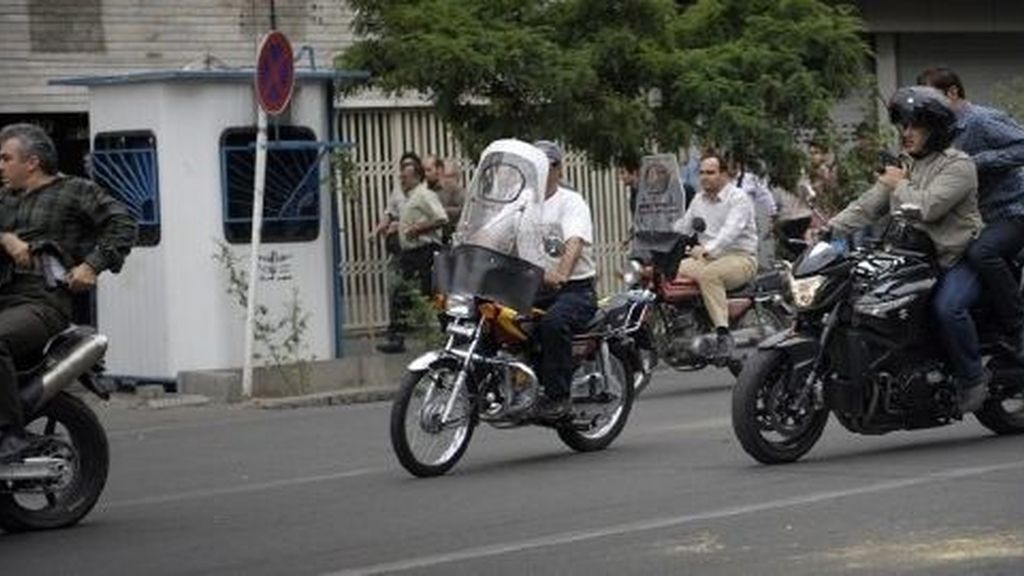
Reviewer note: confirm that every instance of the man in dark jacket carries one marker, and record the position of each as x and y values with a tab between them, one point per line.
995	142
38	205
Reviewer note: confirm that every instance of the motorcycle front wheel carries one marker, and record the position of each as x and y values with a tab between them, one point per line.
426	443
607	426
74	434
772	425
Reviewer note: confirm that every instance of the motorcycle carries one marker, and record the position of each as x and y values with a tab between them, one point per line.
680	332
864	349
58	479
484	372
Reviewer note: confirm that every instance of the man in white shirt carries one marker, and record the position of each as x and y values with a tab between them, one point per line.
726	257
568	296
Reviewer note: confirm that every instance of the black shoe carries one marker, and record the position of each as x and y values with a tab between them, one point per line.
11	446
725	346
973	396
553	409
392	346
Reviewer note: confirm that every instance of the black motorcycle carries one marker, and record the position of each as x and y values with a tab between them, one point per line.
864	348
57	480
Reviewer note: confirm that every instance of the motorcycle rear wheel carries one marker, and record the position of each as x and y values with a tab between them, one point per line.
762	417
1004	416
602	434
81	436
424	445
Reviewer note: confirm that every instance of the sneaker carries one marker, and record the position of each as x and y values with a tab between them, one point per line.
973	396
552	409
392	346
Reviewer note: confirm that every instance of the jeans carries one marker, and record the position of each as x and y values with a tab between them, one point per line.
24	331
990	254
958	290
567	312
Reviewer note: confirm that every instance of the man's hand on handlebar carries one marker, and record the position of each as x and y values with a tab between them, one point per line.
81	278
697	252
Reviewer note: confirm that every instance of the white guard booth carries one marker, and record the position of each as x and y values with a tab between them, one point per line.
178	148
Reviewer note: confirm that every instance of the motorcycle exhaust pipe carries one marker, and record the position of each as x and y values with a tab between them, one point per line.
65	366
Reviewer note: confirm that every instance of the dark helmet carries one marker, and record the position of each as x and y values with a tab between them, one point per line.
925	106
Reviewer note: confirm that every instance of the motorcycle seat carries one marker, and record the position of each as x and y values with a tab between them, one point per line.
684	287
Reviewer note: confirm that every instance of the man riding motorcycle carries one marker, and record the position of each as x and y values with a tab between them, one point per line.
726	257
38	205
568	295
941	184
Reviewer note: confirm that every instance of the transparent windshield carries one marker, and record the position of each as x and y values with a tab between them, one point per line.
660	199
501	226
505	199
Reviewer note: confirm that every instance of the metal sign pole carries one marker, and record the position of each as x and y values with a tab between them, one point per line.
254	244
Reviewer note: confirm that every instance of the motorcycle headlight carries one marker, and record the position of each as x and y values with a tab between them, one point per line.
459	306
631	275
804	289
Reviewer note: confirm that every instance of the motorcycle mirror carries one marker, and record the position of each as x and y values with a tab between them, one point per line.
699	225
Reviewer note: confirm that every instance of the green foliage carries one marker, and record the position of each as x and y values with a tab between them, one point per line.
418	312
283	337
1009	97
613	77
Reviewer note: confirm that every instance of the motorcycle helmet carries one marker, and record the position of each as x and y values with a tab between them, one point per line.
925	106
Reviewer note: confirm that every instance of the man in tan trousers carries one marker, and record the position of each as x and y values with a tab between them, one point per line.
726	257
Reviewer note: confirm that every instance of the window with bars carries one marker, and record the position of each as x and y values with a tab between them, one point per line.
125	164
291	201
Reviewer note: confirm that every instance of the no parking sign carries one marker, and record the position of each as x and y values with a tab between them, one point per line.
275	73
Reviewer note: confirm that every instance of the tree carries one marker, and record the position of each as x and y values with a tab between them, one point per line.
614	77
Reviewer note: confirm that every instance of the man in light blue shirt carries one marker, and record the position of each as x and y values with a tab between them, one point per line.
995	143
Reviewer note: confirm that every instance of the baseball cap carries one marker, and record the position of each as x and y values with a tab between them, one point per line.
551	150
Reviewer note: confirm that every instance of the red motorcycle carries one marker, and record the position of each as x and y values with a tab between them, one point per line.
679	330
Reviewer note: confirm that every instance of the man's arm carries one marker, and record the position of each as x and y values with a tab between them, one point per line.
436	216
955	182
1004	142
573	250
116	229
864	210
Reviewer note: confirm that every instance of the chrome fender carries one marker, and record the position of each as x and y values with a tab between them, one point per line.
424	361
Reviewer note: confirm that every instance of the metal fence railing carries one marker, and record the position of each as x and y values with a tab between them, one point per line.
380	137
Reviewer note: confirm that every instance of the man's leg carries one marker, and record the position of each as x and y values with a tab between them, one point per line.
24	331
958	290
989	255
722	274
569	313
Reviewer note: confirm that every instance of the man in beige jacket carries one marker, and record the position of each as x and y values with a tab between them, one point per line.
942	183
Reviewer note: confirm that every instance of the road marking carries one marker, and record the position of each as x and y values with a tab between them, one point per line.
210	493
668	522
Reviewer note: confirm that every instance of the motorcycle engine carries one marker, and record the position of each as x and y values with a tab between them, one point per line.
920	394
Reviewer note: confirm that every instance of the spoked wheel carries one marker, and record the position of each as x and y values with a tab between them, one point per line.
605	425
73	436
769	419
426	443
647	357
769	321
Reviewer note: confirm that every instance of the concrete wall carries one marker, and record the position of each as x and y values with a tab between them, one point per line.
168	311
46	39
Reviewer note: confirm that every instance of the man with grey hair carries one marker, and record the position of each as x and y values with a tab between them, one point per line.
40	206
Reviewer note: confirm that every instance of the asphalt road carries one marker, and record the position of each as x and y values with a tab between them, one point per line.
218	490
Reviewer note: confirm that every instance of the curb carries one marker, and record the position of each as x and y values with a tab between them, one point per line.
337	397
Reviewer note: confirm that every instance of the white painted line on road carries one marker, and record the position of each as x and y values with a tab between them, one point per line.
668	522
198	494
708	424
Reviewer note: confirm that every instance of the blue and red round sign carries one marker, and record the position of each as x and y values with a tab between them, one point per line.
275	73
